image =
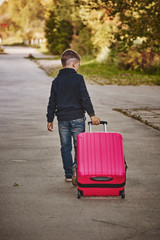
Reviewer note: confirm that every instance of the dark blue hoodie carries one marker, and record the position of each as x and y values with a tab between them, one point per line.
69	98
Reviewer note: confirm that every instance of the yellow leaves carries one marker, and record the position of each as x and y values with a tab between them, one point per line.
136	14
128	13
124	36
91	17
132	13
142	11
93	4
46	2
100	24
150	5
146	59
54	30
139	40
102	36
132	59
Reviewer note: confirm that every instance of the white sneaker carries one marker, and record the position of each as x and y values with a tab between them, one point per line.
68	179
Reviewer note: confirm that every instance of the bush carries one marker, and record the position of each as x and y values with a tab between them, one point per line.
82	42
150	61
58	34
1	50
146	60
103	56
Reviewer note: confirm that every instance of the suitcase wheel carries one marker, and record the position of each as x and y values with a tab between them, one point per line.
78	194
123	194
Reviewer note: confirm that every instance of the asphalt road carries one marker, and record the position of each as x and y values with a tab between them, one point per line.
35	201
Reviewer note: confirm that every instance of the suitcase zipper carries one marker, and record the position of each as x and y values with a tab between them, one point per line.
100	185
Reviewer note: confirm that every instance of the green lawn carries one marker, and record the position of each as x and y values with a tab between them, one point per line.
103	74
109	74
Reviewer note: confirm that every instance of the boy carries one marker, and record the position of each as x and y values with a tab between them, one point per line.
69	99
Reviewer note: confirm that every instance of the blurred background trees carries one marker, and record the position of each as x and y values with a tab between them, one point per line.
25	20
119	32
58	33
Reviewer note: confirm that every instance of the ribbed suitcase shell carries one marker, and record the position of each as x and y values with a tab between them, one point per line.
100	154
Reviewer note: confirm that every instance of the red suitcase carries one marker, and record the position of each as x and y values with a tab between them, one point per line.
101	168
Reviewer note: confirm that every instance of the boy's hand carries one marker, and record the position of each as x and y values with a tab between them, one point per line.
95	120
50	126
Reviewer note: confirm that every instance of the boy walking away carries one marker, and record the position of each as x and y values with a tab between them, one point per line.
69	99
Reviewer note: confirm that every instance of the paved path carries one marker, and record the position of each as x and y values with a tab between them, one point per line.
35	201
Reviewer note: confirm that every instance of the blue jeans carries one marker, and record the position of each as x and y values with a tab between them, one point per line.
67	131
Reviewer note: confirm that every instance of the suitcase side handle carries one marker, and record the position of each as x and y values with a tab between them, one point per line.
101	122
101	178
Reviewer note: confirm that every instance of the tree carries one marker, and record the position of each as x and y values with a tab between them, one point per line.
25	17
81	42
137	19
95	17
132	20
58	33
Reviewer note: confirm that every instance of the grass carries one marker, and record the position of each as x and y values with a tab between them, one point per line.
43	49
37	59
103	74
53	72
1	50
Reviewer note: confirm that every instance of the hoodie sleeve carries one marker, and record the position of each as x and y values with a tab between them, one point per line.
51	104
85	99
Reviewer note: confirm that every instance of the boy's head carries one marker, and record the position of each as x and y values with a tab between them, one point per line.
70	59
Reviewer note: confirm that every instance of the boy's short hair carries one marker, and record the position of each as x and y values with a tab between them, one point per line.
68	55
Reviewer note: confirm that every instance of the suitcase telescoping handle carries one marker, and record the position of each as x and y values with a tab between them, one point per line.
101	122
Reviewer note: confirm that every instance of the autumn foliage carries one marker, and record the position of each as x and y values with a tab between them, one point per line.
106	29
